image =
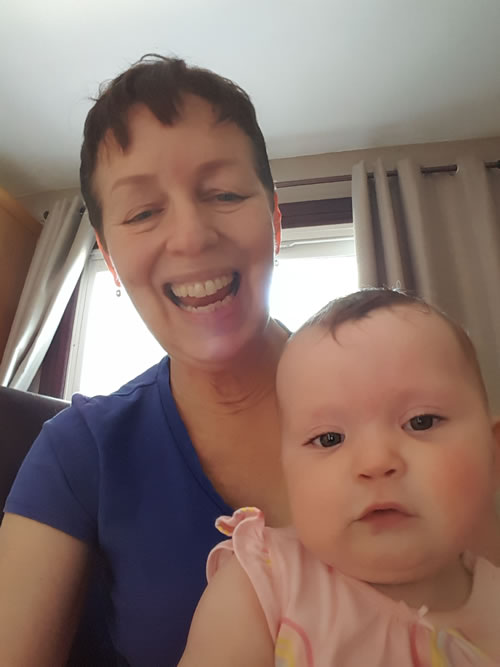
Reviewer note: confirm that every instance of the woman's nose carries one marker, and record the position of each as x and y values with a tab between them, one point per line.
189	229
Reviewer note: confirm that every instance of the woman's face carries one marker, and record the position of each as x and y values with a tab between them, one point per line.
190	230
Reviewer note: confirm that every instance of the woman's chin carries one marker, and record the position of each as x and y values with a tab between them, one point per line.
217	336
223	350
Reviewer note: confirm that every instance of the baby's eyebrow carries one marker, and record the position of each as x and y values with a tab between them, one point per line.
327	412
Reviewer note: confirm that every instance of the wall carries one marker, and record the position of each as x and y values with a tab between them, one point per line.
330	164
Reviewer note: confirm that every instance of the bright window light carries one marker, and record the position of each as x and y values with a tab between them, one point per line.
116	345
112	345
302	286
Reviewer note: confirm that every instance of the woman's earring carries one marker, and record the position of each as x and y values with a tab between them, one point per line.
118	286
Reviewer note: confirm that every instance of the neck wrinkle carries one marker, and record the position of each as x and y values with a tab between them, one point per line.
247	382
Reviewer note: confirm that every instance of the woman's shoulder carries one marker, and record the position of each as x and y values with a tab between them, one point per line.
77	452
97	429
131	393
104	413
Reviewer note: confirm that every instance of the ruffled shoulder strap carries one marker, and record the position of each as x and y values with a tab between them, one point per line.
253	545
246	530
227	524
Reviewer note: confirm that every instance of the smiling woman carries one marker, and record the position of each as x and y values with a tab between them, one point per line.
183	207
178	187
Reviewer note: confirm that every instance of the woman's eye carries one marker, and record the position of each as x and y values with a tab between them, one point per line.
423	422
228	197
143	215
329	439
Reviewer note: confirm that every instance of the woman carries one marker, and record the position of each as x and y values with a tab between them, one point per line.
177	183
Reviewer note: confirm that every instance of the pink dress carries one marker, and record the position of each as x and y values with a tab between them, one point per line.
319	617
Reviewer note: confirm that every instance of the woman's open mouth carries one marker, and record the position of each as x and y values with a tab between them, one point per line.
206	295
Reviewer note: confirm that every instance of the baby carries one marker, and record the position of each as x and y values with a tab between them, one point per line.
391	462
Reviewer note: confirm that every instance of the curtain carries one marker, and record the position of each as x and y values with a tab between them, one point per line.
437	235
59	258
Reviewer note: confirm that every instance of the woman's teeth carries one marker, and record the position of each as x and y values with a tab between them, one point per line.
204	296
201	289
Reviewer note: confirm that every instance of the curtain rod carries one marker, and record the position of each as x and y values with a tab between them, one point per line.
446	168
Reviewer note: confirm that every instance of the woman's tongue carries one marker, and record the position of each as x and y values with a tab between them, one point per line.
198	301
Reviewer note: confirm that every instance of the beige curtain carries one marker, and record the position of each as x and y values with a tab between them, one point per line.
439	236
58	261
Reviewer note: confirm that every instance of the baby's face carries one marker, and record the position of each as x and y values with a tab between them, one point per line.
388	448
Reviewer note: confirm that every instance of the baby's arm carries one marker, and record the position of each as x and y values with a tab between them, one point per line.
229	627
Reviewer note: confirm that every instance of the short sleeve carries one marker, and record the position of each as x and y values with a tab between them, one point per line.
252	545
58	482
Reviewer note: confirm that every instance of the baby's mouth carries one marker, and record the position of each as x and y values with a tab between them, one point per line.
384	510
204	295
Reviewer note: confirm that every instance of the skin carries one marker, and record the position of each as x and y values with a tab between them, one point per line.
173	223
368	391
369	388
39	603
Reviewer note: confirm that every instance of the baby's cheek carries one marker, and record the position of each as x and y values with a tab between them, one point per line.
313	509
460	486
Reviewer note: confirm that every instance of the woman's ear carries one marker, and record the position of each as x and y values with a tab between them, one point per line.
277	224
108	260
496	453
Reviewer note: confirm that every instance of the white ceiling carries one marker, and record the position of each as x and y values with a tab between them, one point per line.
325	75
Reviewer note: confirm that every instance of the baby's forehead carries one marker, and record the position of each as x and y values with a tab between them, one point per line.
418	346
407	325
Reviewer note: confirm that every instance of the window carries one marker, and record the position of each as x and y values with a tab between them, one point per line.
111	344
315	265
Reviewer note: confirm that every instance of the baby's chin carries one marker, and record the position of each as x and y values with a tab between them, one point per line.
389	569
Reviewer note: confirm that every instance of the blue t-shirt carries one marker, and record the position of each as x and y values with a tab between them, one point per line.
120	473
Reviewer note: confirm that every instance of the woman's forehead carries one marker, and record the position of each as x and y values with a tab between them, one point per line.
196	137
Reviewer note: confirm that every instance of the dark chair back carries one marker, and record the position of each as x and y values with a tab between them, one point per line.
21	418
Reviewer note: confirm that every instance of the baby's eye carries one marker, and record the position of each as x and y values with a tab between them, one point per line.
422	422
329	439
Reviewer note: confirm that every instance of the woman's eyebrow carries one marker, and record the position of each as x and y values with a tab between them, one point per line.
208	168
135	180
205	169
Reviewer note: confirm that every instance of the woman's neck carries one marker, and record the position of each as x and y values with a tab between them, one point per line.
237	386
232	418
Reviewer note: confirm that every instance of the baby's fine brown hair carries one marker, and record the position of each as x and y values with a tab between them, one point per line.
358	305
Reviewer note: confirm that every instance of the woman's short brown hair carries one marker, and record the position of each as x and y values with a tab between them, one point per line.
160	83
